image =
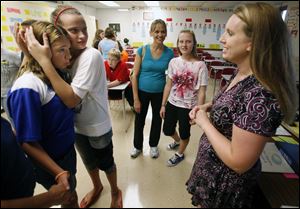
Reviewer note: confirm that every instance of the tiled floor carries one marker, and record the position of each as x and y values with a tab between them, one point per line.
145	182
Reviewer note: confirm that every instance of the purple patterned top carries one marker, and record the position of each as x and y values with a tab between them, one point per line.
251	107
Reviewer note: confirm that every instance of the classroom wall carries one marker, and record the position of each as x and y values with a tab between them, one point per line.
18	11
292	21
135	24
207	25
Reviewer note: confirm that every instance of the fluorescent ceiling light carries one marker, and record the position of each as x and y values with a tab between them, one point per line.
152	3
109	3
123	10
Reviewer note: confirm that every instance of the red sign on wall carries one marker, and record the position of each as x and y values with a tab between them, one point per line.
169	19
188	20
208	20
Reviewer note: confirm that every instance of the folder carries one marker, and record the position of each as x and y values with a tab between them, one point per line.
290	152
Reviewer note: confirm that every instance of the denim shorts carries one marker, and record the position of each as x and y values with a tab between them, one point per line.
96	152
68	163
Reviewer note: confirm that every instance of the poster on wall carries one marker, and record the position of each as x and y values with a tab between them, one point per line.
133	27
143	30
115	26
207	26
204	29
18	11
148	16
171	28
13	12
218	32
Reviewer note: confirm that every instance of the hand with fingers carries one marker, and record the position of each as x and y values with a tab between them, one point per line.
40	52
137	106
60	194
201	117
19	35
193	113
162	112
62	178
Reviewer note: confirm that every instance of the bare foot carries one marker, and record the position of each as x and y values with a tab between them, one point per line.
116	200
90	198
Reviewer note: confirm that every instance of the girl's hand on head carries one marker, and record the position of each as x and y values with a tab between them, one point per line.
19	35
38	51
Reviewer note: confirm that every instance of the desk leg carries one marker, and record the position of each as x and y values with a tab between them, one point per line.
214	83
123	99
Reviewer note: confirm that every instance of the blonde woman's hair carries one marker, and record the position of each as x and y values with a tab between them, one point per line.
157	22
270	56
115	53
54	33
194	50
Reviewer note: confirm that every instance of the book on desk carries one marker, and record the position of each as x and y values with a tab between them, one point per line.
290	152
288	146
282	155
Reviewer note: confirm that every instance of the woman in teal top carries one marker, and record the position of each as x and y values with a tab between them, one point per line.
148	81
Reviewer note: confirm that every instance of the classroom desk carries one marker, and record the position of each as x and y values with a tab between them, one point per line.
208	61
121	88
132	63
224	80
216	69
277	189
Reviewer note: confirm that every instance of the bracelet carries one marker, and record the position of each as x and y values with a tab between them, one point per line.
58	175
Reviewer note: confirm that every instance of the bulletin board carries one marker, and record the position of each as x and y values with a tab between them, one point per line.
18	11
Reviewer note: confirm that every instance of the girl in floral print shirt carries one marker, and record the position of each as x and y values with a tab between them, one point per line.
185	88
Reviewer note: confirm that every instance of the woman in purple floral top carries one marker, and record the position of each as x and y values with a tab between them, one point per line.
246	112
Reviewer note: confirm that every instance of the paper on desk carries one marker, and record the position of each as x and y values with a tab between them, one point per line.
280	131
272	160
286	139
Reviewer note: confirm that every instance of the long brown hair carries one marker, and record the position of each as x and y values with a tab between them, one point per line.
53	33
270	56
97	37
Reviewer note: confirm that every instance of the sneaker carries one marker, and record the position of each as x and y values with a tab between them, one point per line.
154	152
173	145
135	152
175	160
